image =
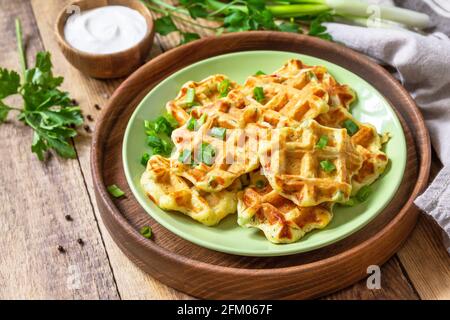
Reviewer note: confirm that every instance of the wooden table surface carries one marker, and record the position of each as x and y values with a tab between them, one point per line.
36	197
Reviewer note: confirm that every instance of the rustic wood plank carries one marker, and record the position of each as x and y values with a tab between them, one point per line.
36	197
425	257
394	285
132	283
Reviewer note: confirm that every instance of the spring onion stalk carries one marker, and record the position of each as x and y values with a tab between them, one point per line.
363	9
297	10
367	22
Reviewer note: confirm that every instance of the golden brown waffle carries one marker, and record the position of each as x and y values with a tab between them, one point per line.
282	221
275	121
206	92
227	157
293	163
171	192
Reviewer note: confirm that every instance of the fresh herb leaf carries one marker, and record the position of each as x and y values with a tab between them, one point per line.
327	165
9	83
146	232
236	20
187	37
218	132
351	126
289	27
260	73
224	87
364	193
258	94
115	191
165	25
323	141
317	29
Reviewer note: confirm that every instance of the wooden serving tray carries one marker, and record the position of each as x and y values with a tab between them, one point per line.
205	273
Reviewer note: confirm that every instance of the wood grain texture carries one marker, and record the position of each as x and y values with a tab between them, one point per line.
34	200
193	269
132	283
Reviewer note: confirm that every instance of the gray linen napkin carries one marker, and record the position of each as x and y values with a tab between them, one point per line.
422	63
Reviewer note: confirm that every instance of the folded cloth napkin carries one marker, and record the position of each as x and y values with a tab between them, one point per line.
422	63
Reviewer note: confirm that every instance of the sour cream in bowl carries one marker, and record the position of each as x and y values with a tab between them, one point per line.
105	39
105	30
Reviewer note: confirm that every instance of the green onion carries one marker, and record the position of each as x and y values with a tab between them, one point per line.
312	76
323	141
351	126
191	124
190	97
218	132
207	153
201	121
258	94
260	184
349	203
145	158
260	73
115	191
146	231
327	165
185	157
363	193
223	87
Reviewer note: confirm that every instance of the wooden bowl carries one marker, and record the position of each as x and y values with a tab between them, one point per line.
106	66
204	273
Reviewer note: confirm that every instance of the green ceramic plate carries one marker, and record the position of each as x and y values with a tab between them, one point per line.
228	236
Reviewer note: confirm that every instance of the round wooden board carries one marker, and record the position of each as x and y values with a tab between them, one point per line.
205	273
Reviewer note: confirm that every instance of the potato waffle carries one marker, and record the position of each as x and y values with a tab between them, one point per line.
282	221
171	192
230	153
205	93
292	162
277	149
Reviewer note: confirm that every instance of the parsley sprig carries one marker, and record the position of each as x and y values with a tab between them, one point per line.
240	15
46	109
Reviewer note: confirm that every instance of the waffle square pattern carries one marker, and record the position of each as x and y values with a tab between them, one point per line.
280	150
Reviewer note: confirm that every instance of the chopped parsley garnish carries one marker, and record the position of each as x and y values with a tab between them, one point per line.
322	143
224	87
260	73
258	94
218	132
146	231
363	193
115	191
351	126
190	97
327	165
